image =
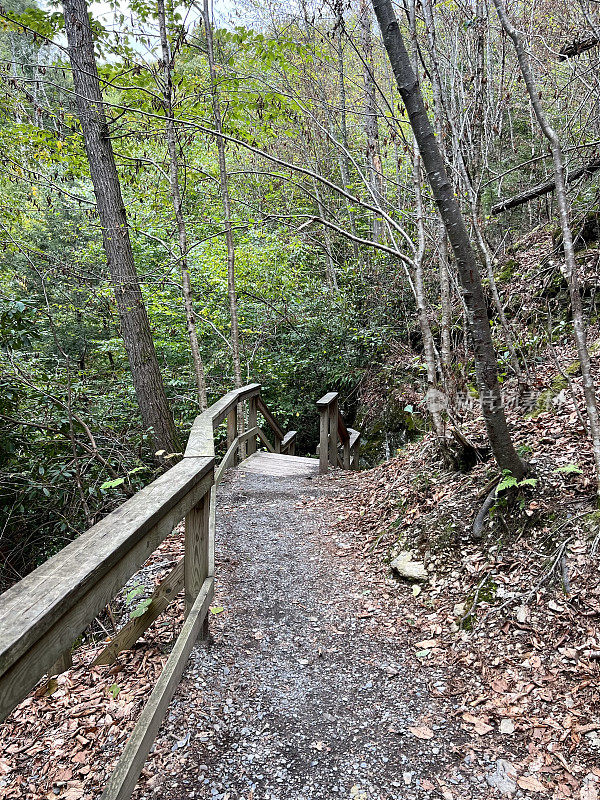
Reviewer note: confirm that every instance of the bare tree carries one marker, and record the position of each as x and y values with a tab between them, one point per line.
479	326
135	326
224	182
190	317
571	270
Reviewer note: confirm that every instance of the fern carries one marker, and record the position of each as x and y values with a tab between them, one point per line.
570	469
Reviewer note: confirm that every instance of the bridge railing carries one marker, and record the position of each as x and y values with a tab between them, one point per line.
334	434
43	614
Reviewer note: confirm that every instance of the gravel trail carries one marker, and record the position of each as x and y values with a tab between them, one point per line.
297	695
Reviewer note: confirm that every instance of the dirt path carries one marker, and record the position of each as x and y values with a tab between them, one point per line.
300	694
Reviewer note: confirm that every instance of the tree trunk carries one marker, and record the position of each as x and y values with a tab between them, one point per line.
375	174
442	239
466	263
186	282
422	309
571	269
224	181
343	156
135	326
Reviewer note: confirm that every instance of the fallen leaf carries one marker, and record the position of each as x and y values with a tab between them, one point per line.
422	732
480	726
426	644
530	783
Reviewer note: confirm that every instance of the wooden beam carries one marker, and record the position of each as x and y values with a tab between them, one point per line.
195	564
123	780
200	441
262	436
288	443
327	399
62	663
272	422
35	636
232	426
164	593
324	439
55	602
252	422
333	432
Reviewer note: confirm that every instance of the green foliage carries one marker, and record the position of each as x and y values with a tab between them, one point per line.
570	469
509	481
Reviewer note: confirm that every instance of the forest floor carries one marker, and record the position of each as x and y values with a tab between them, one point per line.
325	676
328	676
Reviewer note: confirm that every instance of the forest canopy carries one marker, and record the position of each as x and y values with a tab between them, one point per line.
270	213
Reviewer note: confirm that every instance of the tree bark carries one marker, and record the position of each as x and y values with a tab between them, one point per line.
186	282
571	269
442	239
371	125
224	182
135	326
466	263
343	156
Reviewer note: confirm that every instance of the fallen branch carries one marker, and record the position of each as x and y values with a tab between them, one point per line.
543	188
577	47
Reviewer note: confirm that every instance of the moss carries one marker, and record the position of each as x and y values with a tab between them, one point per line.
507	270
485	593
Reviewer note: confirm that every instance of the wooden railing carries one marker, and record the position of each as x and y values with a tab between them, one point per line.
333	434
43	614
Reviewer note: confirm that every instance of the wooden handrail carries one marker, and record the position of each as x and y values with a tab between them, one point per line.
43	614
333	430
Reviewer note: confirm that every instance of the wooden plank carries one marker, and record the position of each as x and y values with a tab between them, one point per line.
346	454
31	607
333	432
288	443
273	424
200	441
229	457
354	448
195	564
354	436
164	593
252	422
261	435
327	399
62	663
324	440
123	780
228	460
343	434
275	464
46	643
232	424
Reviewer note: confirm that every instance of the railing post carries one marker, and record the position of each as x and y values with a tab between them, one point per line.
347	454
252	422
232	429
324	440
355	455
62	663
333	431
197	555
